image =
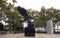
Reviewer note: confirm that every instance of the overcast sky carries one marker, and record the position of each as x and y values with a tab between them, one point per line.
37	4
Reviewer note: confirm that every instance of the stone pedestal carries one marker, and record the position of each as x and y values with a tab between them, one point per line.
49	27
30	31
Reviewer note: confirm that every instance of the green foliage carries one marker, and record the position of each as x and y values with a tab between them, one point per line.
36	23
40	17
11	13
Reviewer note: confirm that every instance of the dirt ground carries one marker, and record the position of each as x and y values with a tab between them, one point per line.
38	35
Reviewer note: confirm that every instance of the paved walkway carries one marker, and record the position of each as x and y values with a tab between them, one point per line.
21	35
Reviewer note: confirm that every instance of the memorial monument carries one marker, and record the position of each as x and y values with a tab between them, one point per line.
49	27
29	30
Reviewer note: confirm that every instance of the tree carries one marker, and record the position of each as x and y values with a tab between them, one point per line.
34	15
53	13
3	4
42	15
